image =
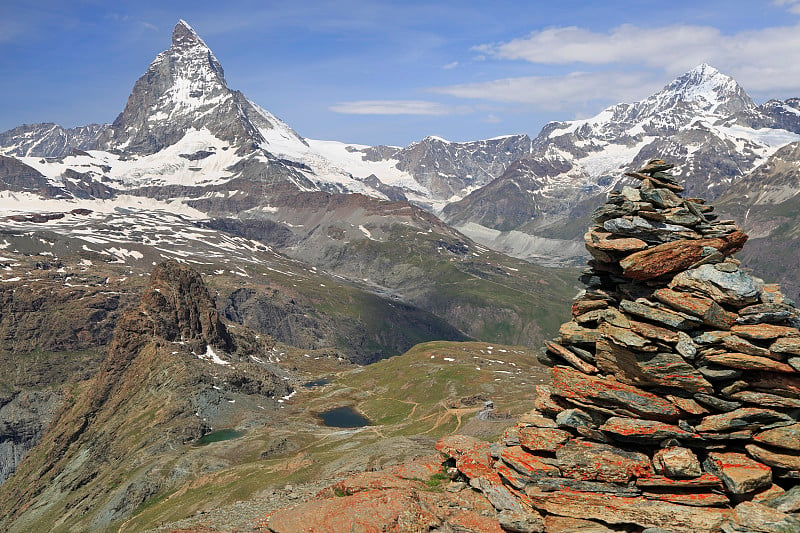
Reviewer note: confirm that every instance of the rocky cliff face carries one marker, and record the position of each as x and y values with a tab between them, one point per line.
49	140
24	417
676	386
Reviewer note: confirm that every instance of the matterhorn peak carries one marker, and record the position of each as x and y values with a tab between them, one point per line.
183	36
183	90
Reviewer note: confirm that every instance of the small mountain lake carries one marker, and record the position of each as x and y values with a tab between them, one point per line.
317	383
343	417
219	436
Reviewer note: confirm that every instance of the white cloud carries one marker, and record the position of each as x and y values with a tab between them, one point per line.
560	92
760	60
793	6
393	107
450	66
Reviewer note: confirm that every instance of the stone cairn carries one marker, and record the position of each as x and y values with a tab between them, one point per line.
675	396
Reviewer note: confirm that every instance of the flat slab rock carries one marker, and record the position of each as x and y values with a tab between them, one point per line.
649	369
732	287
606	392
749	362
641	511
739	473
752	516
592	461
527	464
787	437
542	439
676	256
790	460
743	418
649	430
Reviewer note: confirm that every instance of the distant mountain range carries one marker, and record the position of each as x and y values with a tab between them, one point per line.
185	129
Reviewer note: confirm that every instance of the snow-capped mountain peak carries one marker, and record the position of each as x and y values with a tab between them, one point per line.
707	88
184	89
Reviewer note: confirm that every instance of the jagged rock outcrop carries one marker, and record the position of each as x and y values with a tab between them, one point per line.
49	140
675	400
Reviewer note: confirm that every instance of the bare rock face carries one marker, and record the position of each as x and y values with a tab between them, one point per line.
674	393
23	419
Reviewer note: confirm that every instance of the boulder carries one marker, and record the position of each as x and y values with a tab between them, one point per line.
677	462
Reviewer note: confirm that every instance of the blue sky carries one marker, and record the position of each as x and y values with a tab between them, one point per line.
391	72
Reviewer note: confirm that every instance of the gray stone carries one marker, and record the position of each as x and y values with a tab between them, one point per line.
717	403
662	198
734	288
552	484
574	418
499	496
526	522
669	318
719	374
591	461
685	346
646	230
788	502
757	517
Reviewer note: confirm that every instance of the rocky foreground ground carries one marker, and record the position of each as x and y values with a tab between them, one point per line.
674	404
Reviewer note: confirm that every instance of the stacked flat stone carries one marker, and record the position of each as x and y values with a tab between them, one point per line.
675	399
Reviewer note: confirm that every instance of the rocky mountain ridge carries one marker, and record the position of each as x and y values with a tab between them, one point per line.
703	120
170	365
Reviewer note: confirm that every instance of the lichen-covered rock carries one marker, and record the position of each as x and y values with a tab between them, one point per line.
739	473
787	437
675	256
677	462
590	461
